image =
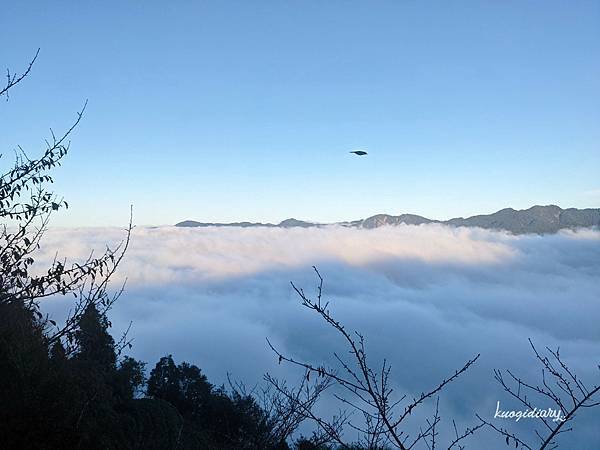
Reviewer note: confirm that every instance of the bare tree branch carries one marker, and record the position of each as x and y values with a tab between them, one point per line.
368	391
13	79
560	385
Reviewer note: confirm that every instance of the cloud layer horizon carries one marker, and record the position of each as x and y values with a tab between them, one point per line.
426	297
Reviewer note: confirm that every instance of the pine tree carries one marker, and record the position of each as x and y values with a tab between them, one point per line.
95	345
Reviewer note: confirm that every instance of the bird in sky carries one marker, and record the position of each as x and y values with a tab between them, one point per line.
359	152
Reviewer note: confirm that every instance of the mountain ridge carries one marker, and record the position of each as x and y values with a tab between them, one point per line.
539	219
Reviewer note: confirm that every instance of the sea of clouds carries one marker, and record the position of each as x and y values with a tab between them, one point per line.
426	297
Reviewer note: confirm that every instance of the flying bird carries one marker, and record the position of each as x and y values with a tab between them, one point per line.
359	152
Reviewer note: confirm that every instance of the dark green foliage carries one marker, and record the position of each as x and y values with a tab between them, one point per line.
50	400
90	399
212	418
24	374
153	424
129	378
308	444
95	345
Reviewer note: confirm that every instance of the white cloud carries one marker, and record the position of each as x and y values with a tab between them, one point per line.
427	297
166	254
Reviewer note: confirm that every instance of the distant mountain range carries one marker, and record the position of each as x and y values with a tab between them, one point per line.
537	219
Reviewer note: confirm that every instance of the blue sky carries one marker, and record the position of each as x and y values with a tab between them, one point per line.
222	110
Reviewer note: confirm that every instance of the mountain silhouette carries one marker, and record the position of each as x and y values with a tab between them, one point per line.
535	220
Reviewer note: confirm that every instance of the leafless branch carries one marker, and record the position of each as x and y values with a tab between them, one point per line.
368	391
560	385
13	79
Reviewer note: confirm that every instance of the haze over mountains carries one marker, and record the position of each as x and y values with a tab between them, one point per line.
537	219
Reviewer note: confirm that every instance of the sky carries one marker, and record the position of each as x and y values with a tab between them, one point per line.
237	110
